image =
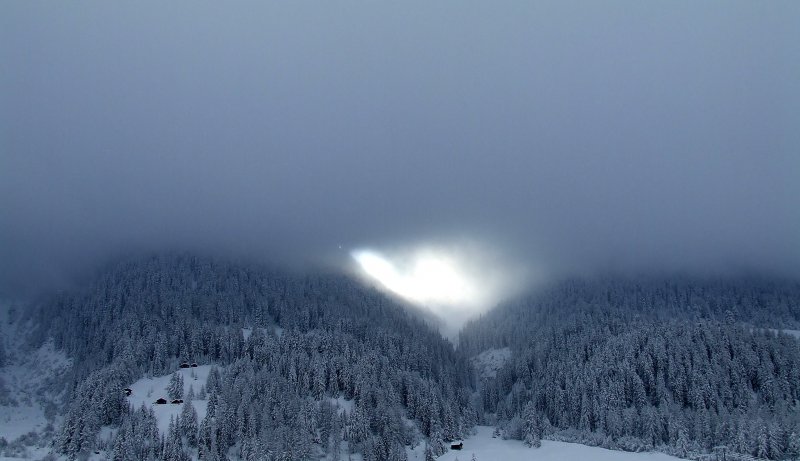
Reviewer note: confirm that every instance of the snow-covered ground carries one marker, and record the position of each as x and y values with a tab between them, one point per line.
28	381
486	448
147	390
345	406
32	453
795	333
489	361
246	332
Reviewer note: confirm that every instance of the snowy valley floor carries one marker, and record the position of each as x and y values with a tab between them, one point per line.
482	444
486	448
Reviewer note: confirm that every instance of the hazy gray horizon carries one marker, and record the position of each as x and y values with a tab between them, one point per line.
570	136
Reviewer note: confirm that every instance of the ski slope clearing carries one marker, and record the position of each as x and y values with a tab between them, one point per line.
147	390
489	361
486	448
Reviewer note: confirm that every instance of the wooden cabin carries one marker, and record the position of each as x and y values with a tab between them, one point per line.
128	391
177	401
185	365
194	364
457	446
161	401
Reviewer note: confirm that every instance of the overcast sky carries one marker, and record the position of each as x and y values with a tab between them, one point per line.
589	136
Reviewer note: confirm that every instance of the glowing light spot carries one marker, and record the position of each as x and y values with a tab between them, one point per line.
428	278
455	280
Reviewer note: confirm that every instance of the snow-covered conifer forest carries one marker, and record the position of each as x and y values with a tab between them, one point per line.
255	363
380	231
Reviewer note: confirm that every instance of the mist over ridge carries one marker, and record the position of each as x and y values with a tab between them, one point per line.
646	139
400	231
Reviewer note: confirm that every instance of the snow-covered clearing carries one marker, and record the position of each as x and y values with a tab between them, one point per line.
346	406
147	390
794	333
246	332
16	421
486	448
30	453
489	361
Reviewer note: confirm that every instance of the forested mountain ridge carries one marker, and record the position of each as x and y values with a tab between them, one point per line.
665	364
314	336
759	302
677	365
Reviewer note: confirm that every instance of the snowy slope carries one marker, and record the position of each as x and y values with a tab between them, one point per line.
30	453
29	381
489	361
147	390
486	448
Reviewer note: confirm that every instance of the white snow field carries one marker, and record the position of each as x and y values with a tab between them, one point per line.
147	390
486	448
489	361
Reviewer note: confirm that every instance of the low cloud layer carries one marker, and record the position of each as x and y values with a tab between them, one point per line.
578	137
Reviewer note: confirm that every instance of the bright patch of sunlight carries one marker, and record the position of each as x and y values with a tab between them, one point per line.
428	278
455	281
